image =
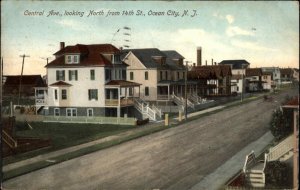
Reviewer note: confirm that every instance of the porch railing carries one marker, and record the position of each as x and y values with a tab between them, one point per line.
162	97
280	149
98	120
9	140
115	102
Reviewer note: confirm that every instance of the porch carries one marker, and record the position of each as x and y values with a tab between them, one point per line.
166	89
120	93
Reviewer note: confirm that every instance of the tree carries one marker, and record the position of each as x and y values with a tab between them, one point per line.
281	123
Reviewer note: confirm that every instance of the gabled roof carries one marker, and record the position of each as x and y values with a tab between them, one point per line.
253	72
60	83
146	57
89	55
286	71
173	54
210	72
31	80
236	64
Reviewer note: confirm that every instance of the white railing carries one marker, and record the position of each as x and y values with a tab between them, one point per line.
98	120
157	110
280	149
40	101
190	104
144	108
250	161
177	100
9	140
195	98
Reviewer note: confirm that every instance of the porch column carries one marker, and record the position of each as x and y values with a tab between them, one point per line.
168	91
119	103
139	91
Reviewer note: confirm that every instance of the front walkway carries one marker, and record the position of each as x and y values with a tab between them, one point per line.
220	176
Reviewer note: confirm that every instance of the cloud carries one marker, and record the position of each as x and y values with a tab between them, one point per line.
230	19
235	31
250	45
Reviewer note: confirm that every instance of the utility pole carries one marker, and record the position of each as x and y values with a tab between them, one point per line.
1	83
20	85
185	89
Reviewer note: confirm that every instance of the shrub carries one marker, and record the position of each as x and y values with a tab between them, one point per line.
281	123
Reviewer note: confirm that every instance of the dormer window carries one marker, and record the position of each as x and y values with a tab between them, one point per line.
72	59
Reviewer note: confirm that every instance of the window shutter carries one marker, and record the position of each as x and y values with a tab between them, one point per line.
57	75
63	73
89	92
70	75
76	75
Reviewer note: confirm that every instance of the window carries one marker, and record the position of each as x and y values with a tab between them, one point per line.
107	74
63	94
90	112
69	59
60	75
123	74
116	59
146	75
72	59
161	75
71	112
166	75
92	74
75	58
146	91
73	75
178	75
131	75
56	112
93	94
55	94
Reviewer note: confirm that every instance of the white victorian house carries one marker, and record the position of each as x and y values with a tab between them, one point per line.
87	80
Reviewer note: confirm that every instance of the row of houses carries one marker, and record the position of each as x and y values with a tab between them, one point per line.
102	80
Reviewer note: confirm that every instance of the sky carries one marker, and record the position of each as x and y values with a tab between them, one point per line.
263	33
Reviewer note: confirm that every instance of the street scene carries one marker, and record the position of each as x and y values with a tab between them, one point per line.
187	95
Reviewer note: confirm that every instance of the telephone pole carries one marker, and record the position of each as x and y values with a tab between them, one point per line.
20	85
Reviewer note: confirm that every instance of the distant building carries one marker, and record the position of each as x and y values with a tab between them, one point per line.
286	74
11	86
238	69
267	80
253	80
212	80
276	76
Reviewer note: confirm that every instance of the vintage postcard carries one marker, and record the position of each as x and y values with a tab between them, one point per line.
149	95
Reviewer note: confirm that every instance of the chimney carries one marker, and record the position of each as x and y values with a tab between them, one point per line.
62	45
215	63
194	64
206	62
121	48
199	56
212	61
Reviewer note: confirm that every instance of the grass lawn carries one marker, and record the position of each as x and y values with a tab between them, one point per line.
63	135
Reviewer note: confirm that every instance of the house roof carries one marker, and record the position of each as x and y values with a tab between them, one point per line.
31	80
60	83
267	73
253	72
146	57
122	83
210	72
236	64
89	55
286	71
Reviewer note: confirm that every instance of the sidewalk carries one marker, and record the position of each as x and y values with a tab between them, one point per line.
220	176
48	156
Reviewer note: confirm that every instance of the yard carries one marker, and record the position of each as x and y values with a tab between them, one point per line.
63	135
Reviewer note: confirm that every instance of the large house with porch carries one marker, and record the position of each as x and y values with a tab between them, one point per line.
160	73
87	80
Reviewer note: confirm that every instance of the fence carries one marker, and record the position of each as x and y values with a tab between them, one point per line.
84	119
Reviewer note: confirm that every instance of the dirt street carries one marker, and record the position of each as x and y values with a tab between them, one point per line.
176	158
